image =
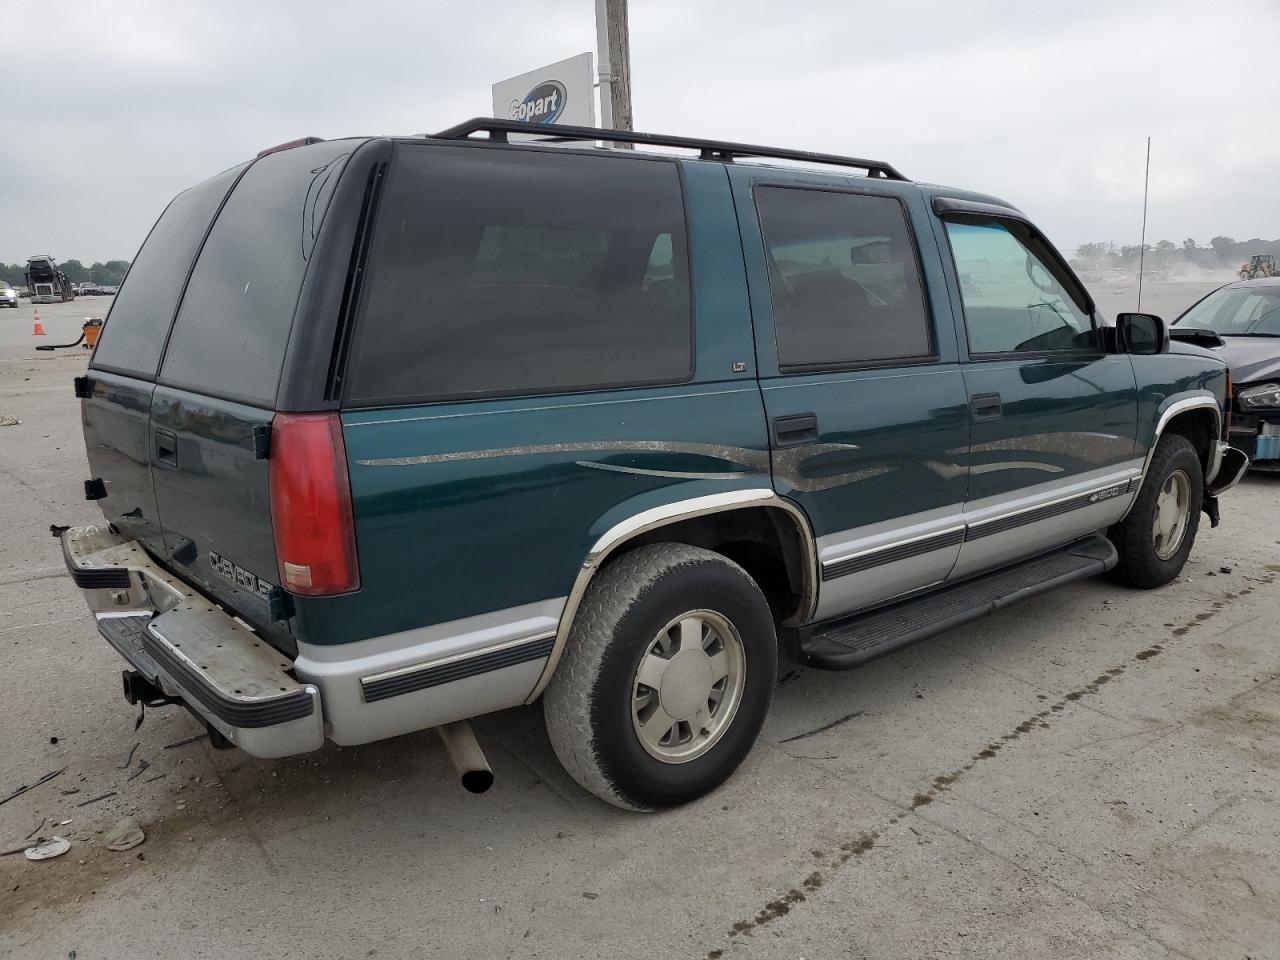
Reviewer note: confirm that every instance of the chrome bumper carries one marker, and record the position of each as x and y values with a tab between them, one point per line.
1232	464
188	647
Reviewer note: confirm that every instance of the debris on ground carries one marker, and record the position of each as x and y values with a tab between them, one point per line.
25	787
85	803
125	835
183	742
48	849
8	421
142	766
129	759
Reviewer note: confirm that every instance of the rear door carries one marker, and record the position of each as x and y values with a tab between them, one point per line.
212	408
1052	456
116	414
857	352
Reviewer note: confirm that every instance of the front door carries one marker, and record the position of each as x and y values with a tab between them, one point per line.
857	359
1054	417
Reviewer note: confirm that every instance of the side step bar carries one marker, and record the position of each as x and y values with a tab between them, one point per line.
854	641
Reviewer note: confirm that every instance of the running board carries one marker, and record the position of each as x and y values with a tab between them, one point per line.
851	642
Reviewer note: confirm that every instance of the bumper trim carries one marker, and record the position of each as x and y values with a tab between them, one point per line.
187	646
249	714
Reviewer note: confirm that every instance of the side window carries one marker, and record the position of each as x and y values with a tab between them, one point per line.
1017	296
143	310
844	278
230	334
498	272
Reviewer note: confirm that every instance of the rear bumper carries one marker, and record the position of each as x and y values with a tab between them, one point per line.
188	647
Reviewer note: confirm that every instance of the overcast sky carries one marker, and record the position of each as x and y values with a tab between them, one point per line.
1045	104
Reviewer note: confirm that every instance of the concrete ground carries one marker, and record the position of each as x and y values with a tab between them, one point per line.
1093	773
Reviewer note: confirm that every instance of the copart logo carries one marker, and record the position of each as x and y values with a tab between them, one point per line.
542	104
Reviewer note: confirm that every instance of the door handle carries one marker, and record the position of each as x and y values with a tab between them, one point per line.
794	429
985	406
166	448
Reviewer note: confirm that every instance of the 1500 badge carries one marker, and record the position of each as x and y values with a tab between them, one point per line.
239	575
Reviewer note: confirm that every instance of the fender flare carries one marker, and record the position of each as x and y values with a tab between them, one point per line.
1182	403
662	516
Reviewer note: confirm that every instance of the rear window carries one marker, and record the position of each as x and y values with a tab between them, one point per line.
230	334
504	271
140	316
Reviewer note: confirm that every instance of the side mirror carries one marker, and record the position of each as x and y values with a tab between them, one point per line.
1141	333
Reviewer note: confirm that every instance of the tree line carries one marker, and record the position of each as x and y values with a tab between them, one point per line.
1221	253
107	274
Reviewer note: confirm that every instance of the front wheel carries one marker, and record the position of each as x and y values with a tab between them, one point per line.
665	679
1155	538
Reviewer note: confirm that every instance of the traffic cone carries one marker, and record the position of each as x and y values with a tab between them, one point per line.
38	329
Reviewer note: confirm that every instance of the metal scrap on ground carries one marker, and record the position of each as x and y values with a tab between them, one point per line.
25	787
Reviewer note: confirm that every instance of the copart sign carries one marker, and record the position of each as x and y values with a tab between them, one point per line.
560	93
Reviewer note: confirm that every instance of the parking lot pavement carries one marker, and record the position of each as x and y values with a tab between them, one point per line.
1091	773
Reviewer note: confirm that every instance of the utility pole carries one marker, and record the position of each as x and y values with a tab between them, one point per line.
614	59
1142	244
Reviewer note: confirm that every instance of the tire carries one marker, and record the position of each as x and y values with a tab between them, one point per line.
655	602
1141	562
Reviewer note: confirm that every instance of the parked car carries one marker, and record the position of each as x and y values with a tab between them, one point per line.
1246	314
608	428
89	289
8	295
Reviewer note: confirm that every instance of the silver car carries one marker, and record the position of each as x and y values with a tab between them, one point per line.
8	295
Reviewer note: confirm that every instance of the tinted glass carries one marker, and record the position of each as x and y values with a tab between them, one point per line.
844	277
139	320
232	327
503	271
1237	312
1017	296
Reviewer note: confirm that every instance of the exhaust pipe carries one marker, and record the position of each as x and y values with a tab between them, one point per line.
466	756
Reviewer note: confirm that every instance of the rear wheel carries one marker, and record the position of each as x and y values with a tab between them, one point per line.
666	677
1155	538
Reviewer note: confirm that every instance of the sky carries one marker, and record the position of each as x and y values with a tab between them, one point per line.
1046	104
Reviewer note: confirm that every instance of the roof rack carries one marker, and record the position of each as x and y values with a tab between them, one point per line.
708	149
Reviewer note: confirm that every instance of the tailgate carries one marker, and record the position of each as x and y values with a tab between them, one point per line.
214	399
211	488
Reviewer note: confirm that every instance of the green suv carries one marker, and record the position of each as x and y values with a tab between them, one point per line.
392	433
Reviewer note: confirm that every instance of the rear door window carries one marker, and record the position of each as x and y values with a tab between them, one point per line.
844	278
503	271
230	334
139	321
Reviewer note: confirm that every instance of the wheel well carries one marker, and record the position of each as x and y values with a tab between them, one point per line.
1199	426
765	541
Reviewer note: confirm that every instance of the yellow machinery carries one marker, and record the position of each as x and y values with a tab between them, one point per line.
1262	265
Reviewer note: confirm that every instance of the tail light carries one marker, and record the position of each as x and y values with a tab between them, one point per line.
311	505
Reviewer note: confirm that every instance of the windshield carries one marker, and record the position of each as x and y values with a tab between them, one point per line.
1237	312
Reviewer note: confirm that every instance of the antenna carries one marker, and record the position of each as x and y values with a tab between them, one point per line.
1142	245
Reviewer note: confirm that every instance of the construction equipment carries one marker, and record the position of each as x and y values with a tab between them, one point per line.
1260	265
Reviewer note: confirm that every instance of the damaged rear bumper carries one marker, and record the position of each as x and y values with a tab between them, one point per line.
187	646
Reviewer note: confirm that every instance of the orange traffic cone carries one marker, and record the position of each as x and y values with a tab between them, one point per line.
38	330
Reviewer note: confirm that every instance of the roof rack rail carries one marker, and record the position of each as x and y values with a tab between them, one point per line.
709	149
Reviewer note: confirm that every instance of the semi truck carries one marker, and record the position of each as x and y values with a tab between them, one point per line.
46	282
